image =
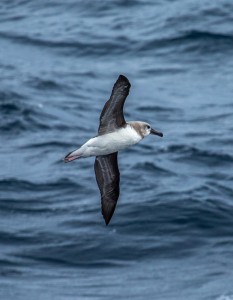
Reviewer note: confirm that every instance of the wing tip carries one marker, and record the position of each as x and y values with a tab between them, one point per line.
107	217
123	78
106	221
108	211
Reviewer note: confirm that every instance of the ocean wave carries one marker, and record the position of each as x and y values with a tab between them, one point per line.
202	217
211	118
203	36
45	84
192	41
175	208
48	144
153	168
20	125
7	96
74	47
157	108
194	153
12	184
19	117
189	221
187	41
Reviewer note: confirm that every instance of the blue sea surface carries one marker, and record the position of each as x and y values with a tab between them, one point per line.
171	237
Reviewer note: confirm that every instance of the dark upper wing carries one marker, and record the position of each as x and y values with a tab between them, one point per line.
108	179
112	116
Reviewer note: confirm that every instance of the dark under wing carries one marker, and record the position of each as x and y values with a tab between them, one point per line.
108	179
106	167
112	116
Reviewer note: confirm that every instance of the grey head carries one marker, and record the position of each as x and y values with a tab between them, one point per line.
144	129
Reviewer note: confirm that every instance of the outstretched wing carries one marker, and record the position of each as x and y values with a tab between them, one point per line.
108	179
112	116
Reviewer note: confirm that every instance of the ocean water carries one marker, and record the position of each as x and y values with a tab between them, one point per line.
171	236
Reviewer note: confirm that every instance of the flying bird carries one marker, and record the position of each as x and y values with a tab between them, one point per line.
114	134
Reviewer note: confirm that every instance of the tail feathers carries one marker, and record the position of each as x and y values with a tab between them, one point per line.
71	156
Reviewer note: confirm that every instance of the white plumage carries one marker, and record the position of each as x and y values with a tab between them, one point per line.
107	143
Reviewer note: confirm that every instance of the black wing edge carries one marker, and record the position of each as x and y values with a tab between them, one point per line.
114	106
108	180
123	78
123	84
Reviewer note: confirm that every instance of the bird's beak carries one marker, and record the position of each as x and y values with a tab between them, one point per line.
156	132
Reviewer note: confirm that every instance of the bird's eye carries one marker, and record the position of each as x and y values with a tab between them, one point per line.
147	127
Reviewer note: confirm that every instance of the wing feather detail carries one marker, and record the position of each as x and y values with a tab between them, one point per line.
112	115
108	180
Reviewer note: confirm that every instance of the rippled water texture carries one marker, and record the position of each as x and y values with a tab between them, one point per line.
172	233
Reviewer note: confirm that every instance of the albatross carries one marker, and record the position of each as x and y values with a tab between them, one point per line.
114	134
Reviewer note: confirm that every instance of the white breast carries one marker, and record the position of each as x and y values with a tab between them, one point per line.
111	142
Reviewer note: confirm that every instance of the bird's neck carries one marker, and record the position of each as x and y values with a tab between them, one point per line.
136	126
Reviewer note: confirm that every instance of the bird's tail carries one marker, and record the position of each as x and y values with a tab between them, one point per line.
73	155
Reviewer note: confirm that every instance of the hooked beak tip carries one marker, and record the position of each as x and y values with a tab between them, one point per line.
156	132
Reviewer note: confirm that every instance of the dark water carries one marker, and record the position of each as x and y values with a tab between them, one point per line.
172	234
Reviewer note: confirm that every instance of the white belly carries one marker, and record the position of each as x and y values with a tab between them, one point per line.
111	142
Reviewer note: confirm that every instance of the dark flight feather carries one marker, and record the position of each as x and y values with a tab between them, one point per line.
112	116
108	179
106	167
